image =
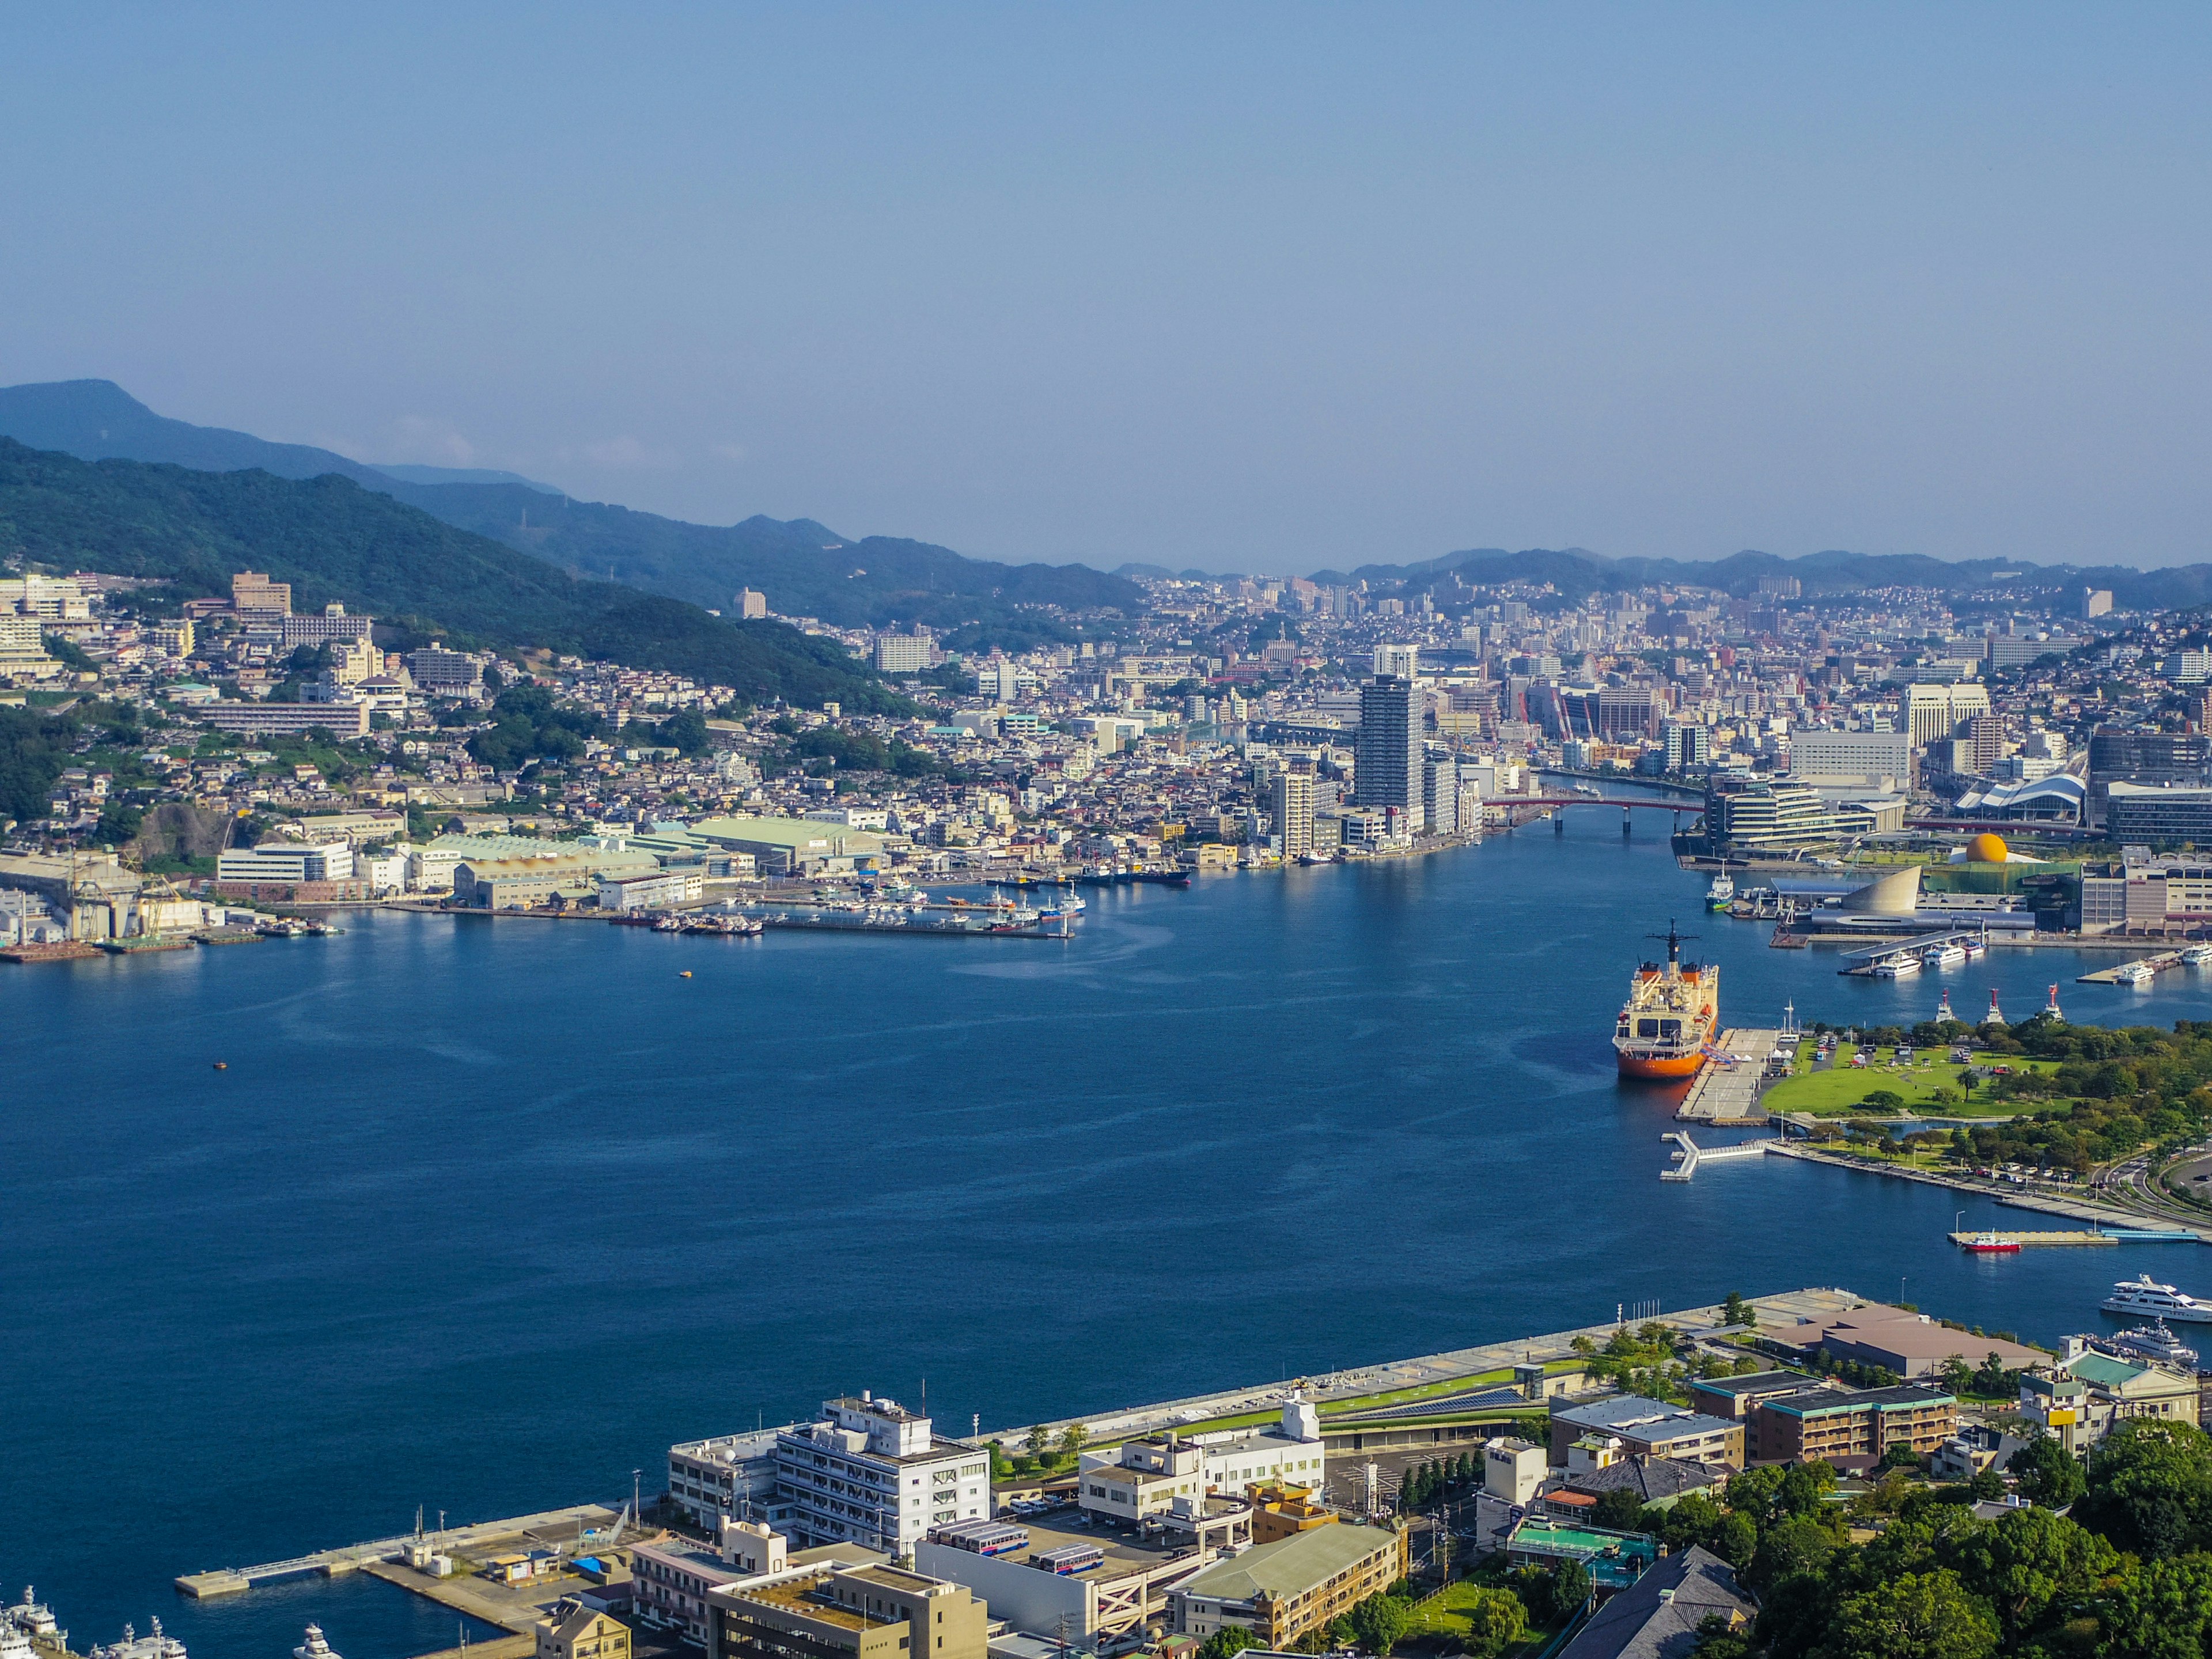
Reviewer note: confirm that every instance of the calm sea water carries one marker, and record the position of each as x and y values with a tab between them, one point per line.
482	1215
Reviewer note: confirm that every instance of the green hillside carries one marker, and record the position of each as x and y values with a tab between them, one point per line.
335	541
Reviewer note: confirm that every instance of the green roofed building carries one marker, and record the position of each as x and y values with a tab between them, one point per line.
795	846
1285	1590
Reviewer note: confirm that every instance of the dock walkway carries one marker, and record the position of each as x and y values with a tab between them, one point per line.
1727	1092
352	1557
2160	963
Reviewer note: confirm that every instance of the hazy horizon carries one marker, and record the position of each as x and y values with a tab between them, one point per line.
1239	289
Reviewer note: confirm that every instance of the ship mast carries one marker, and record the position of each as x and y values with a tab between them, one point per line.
1674	948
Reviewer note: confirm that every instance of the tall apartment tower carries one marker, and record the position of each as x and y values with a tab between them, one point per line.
1388	753
1403	661
1292	805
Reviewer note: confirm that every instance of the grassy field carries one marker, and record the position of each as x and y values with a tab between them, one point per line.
1839	1091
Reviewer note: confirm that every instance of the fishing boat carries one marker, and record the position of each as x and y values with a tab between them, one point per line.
1721	892
2161	1302
1992	1242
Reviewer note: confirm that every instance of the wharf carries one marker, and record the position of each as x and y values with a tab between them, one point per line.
968	924
2158	964
132	947
1986	1239
2105	1217
67	951
354	1558
1727	1088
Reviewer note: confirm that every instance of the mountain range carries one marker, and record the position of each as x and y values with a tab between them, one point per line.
334	540
804	568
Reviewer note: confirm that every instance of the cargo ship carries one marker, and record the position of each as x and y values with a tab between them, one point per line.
1671	1018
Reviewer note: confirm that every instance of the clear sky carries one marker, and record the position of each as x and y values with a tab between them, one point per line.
1261	287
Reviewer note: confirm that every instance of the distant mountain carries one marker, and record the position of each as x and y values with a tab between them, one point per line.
804	568
1577	573
407	472
334	540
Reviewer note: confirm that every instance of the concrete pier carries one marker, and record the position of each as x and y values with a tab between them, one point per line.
354	1558
1727	1090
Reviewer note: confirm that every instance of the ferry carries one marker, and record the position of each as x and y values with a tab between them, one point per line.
154	1645
1722	892
2161	1302
2153	1342
2196	956
1903	965
2137	973
1668	1025
1947	955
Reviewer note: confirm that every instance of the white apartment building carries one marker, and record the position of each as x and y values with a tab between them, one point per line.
1142	1477
732	1474
872	1473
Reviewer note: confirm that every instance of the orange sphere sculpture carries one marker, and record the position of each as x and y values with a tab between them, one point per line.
1986	848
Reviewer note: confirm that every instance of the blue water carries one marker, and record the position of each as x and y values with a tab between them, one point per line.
482	1215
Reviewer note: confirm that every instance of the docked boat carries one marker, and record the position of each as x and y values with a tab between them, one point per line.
1903	965
1975	950
2153	1342
1721	892
34	1618
1946	955
2160	1302
152	1645
15	1641
1667	1026
2137	973
1992	1242
315	1647
2196	956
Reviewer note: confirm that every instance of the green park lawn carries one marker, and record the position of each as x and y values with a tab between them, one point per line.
1841	1090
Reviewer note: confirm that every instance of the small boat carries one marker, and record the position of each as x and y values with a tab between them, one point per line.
1947	955
2161	1302
1974	949
2137	973
1992	1242
2155	1342
1721	893
2196	956
1903	965
315	1647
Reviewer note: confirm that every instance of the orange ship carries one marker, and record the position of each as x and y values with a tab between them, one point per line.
1672	1015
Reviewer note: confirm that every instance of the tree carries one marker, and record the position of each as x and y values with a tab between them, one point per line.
1571	1586
1957	1374
2047	1473
1618	1509
1495	1621
2030	1560
1072	1437
2160	1611
1380	1622
1037	1440
1900	1455
1737	1311
2150	1488
1228	1640
1919	1616
1795	1544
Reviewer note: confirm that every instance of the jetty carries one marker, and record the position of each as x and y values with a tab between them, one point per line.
1728	1087
1985	1238
355	1557
1687	1160
2158	964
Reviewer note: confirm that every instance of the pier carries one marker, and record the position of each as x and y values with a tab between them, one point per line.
355	1557
2102	1236
2158	964
1863	960
1727	1089
1692	1155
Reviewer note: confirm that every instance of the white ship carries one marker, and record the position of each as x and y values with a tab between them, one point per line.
15	1641
1946	955
152	1645
314	1647
2137	973
2196	956
1900	966
32	1617
2154	1342
2160	1302
1721	893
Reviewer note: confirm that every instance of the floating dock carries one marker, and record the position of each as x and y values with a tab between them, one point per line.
1687	1160
2158	964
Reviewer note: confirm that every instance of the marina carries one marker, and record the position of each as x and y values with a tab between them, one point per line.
2138	972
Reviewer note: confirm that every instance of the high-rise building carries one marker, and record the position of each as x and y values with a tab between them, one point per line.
1936	711
1292	805
1387	754
1402	660
1688	744
1440	794
751	605
902	653
872	1473
251	593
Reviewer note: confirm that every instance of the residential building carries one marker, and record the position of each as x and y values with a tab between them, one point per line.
1663	1613
877	1612
285	720
1440	795
1281	1511
576	1631
253	594
751	606
1738	1397
1387	772
1141	1479
1646	1428
872	1473
1400	661
903	654
1687	745
23	649
1854	1427
334	625
173	639
1292	806
1284	1591
440	673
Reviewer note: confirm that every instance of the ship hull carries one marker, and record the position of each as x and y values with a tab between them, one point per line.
1661	1065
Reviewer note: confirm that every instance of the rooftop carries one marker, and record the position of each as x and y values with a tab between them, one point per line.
1292	1565
1823	1401
1756	1383
1631	1411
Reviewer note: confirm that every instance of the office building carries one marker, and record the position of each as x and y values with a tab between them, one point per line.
252	595
1387	774
902	653
1851	760
2017	650
730	1474
1846	1428
1937	711
1744	815
2158	814
1144	1478
872	1473
648	890
1400	661
1291	807
285	861
1284	1591
1513	1469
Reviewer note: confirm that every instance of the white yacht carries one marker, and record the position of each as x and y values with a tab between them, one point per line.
2137	973
152	1645
2196	956
314	1647
1900	966
1947	955
2153	1342
2160	1302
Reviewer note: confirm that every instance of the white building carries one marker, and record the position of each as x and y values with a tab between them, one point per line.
1851	760
872	1474
1142	1477
729	1474
1402	660
903	654
649	890
286	860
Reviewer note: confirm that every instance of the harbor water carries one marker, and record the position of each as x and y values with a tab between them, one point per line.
480	1215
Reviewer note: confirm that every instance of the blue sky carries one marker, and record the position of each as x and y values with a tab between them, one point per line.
1257	288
